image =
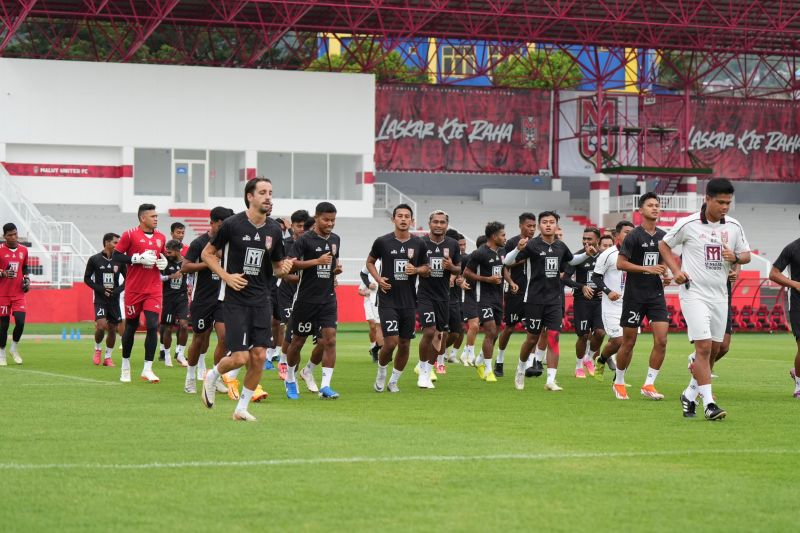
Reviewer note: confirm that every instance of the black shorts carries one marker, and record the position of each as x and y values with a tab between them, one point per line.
588	316
205	315
454	321
538	316
174	311
109	311
514	312
634	312
469	309
794	320
397	322
309	317
488	312
434	313
246	327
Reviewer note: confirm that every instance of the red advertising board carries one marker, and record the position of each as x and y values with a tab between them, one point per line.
455	129
667	219
57	170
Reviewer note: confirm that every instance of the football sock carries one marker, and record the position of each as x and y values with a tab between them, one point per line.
327	374
501	356
395	375
705	390
652	374
538	354
244	399
148	366
487	364
551	375
290	375
620	377
191	372
692	390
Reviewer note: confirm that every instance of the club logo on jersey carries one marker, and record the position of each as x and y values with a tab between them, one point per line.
551	267
400	269
268	242
445	252
253	257
723	235
437	267
650	259
410	253
158	243
333	249
713	253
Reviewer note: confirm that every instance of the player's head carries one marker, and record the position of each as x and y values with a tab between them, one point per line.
217	216
527	225
110	241
621	230
148	218
325	218
308	224
258	193
177	231
298	222
591	237
462	242
649	206
548	223
495	233
403	217
480	241
719	196
438	222
10	234
173	249
559	233
606	242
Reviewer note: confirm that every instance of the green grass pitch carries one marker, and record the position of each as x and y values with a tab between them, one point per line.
82	452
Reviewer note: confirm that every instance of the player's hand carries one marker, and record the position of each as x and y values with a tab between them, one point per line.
681	278
658	270
666	280
146	259
108	293
514	288
591	250
362	291
448	263
465	284
285	266
338	269
385	285
373	286
614	296
161	262
495	280
733	275
728	255
588	292
522	243
410	269
236	282
26	283
325	259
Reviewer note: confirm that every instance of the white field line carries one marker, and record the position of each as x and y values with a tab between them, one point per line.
393	459
61	376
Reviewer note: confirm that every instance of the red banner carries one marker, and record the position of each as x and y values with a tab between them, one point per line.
449	129
56	170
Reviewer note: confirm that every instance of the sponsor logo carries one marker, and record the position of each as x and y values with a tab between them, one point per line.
713	256
551	267
437	266
324	271
253	258
318	249
400	269
650	259
246	238
257	237
394	252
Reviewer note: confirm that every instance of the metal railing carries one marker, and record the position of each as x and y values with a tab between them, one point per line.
681	203
59	250
387	197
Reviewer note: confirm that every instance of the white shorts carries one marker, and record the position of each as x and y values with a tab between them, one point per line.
705	320
612	315
371	310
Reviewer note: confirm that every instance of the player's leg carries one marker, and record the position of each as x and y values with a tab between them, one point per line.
706	324
468	355
164	336
133	310
553	320
111	333
630	321
255	368
327	340
531	338
200	337
100	328
5	322
302	325
796	373
425	349
150	344
490	320
657	355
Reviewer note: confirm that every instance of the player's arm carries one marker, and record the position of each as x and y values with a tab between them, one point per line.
665	250
518	254
383	283
120	254
780	264
235	281
88	278
567	277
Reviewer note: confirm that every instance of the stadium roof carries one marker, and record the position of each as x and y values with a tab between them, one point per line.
731	26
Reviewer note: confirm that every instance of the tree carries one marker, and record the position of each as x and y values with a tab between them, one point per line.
370	56
540	69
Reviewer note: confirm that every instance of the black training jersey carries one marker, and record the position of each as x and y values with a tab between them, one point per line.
790	257
545	263
173	289
518	273
287	289
250	250
103	274
641	249
487	262
437	286
394	256
582	273
316	282
206	282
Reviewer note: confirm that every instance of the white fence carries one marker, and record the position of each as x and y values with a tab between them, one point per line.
387	197
681	203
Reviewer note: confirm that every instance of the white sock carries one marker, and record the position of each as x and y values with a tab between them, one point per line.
148	366
691	390
327	374
487	363
283	360
191	372
652	374
213	374
201	365
381	370
589	355
797	382
233	374
290	375
501	356
705	390
522	366
470	351
179	351
620	378
529	361
310	366
539	354
160	348
98	346
244	399
693	355
109	351
440	359
126	363
479	360
374	344
579	363
453	351
395	375
551	375
13	346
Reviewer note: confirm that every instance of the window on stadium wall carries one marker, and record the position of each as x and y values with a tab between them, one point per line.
312	176
152	171
223	173
277	167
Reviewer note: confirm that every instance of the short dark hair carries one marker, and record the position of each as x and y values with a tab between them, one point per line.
145	207
719	186
646	196
592	229
492	228
526	216
606	236
9	227
301	215
453	234
174	245
108	237
308	223
176	225
621	224
549	214
480	241
402	206
324	207
220	213
250	186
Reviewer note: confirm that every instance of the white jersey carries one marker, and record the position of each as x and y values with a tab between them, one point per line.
614	279
702	243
